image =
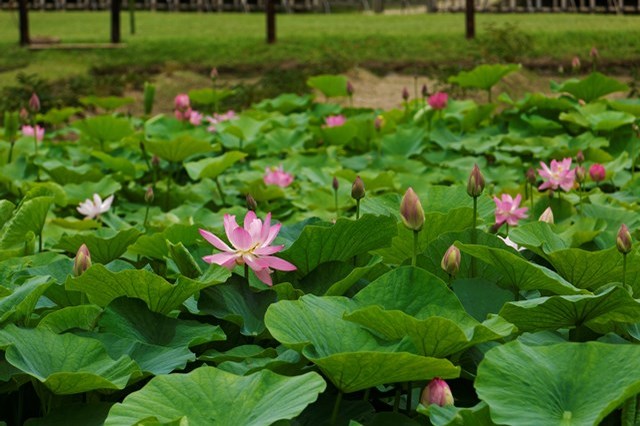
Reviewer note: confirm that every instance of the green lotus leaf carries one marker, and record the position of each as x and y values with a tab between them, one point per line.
119	164
406	142
259	399
412	302
238	353
213	167
83	317
67	173
65	363
591	88
518	272
609	120
178	148
632	106
103	245
108	103
104	128
56	116
21	301
339	135
29	217
342	241
208	96
81	191
594	311
92	414
538	237
450	415
285	103
288	363
103	286
155	246
283	140
483	76
329	85
562	384
350	356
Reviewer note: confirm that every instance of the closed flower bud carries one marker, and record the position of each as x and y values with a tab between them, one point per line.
405	94
546	216
155	161
24	115
357	190
148	97
451	261
623	239
350	88
335	184
82	261
411	211
437	392
34	103
379	123
581	174
251	203
580	157
575	63
597	172
594	54
531	176
475	186
214	73
148	195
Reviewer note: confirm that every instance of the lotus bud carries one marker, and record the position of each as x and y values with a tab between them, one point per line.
251	203
636	129
11	125
357	189
379	123
148	97
411	211
182	102
623	239
34	103
594	54
24	115
580	157
581	174
155	161
531	176
148	195
214	73
350	89
405	94
575	63
546	216
425	91
82	261
597	172
451	261
335	184
437	392
475	185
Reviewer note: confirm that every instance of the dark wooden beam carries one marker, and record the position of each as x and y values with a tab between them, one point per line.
115	21
271	21
470	19
24	22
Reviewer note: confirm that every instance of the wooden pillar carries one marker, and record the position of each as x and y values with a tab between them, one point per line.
271	21
115	21
24	22
470	19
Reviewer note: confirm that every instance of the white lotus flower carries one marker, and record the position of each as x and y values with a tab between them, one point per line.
94	208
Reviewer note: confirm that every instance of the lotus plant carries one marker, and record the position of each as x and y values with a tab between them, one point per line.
546	216
38	133
277	176
438	100
508	210
624	246
82	261
597	173
558	175
412	216
93	208
451	261
357	193
334	121
437	392
250	247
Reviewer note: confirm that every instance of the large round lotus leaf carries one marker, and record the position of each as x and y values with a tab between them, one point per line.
563	384
209	396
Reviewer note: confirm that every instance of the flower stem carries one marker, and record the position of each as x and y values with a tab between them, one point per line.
11	151
220	191
246	272
396	401
415	248
357	209
474	234
146	215
336	203
336	408
624	268
367	392
409	396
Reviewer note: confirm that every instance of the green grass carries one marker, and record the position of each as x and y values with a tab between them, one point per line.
334	42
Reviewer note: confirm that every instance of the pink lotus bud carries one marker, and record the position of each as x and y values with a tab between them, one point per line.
597	172
24	114
623	240
530	175
451	261
581	102
546	216
251	203
405	94
594	54
34	103
581	174
438	100
411	211
148	195
335	184
350	88
580	157
436	392
475	185
214	73
425	91
82	261
155	161
335	120
182	102
378	123
575	63
357	189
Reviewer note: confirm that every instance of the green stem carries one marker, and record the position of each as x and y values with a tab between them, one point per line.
336	203
624	268
11	151
357	209
220	191
415	248
629	409
246	272
146	215
367	392
396	401
35	145
336	408
474	234
40	242
409	396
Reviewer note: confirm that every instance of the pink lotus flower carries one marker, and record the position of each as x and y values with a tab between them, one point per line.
438	100
28	132
508	210
437	392
219	118
597	172
94	208
182	102
558	175
195	118
335	120
251	246
183	115
277	176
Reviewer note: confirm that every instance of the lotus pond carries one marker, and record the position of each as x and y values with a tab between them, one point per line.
305	263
